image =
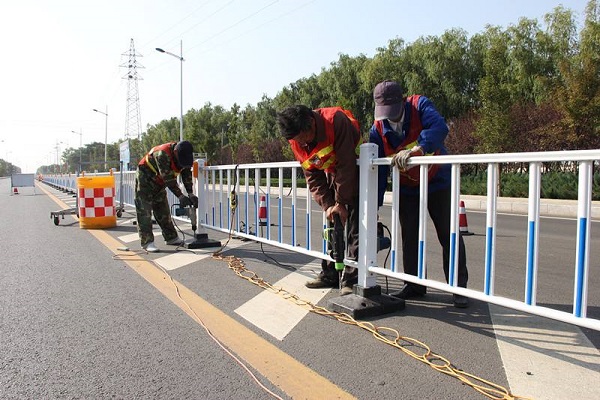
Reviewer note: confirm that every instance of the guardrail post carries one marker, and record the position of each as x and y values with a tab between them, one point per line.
201	239
366	299
367	247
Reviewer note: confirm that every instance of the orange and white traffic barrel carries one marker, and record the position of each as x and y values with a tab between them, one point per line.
96	202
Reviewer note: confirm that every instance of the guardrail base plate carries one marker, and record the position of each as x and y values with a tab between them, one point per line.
360	307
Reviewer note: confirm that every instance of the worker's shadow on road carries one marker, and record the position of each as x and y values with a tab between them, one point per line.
262	253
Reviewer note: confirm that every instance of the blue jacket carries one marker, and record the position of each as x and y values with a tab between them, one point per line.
430	139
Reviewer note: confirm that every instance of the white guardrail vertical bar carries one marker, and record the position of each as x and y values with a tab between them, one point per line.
423	212
238	217
490	232
280	209
367	247
308	219
533	230
582	254
220	198
229	189
268	204
213	177
294	199
246	200
395	242
324	223
454	225
257	196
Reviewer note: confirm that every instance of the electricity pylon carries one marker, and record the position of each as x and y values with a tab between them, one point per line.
133	121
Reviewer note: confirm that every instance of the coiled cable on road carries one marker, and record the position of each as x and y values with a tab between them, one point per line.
384	334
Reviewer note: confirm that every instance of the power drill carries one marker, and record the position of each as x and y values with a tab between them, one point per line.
335	236
190	212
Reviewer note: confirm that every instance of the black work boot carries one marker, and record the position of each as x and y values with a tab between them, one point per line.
321	281
460	301
410	291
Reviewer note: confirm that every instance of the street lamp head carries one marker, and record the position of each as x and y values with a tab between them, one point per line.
95	110
160	50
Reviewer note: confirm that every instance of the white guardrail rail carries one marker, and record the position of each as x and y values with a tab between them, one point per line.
215	185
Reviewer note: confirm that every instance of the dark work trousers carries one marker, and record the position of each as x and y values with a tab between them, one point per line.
438	205
351	273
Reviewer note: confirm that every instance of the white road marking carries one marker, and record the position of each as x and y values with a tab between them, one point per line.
182	258
276	315
132	237
546	359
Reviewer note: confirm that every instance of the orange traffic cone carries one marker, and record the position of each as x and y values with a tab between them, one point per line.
15	191
462	220
262	211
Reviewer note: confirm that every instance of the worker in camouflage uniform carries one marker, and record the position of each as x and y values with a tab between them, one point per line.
157	170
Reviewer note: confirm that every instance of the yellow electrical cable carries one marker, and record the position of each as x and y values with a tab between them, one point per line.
384	334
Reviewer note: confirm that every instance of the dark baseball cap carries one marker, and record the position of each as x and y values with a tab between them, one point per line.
388	100
185	154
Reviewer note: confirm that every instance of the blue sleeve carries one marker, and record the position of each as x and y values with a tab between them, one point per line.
435	129
383	170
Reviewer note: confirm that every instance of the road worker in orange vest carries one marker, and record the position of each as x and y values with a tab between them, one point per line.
326	142
407	127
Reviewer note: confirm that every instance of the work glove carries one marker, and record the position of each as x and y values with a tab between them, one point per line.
400	159
184	201
194	200
339	209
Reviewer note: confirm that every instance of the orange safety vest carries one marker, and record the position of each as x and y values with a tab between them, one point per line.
411	176
149	161
323	155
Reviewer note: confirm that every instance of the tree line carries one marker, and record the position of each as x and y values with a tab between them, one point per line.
7	168
533	86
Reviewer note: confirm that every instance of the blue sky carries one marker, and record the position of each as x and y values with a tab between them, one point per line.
61	58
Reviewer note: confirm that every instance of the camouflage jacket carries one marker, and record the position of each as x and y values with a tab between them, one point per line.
160	162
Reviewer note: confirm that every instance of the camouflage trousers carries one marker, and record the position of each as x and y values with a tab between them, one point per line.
152	198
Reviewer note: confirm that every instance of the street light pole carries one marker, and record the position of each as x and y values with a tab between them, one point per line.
57	161
105	133
181	60
80	133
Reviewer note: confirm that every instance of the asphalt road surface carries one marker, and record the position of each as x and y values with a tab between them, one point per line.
82	319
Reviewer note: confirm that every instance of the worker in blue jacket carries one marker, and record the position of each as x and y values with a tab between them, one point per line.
408	127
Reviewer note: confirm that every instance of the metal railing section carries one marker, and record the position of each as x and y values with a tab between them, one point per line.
368	211
236	190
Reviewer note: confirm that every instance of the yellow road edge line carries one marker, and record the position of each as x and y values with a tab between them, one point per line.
291	376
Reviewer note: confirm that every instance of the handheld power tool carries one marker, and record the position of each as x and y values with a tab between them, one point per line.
189	211
335	237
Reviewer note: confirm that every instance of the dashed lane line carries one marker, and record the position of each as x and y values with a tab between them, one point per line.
276	315
546	359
